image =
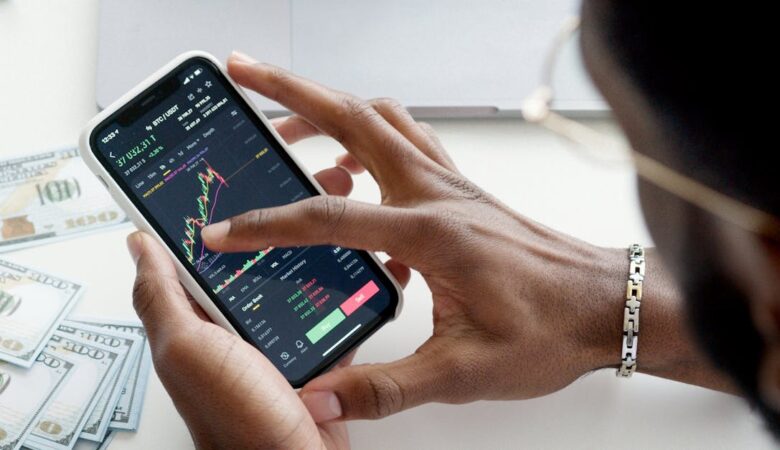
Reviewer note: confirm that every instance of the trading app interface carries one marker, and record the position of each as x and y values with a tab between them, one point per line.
197	158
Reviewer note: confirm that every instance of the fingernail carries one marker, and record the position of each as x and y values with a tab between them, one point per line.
215	232
134	246
323	406
242	58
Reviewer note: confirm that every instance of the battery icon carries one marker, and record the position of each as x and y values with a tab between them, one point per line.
198	72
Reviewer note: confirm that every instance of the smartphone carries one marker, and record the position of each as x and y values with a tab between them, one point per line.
186	148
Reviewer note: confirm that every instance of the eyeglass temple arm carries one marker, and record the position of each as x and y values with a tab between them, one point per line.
699	194
570	26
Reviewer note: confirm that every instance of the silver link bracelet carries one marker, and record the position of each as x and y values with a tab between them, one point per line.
636	275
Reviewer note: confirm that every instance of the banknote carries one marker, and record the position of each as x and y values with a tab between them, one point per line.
49	196
25	393
97	425
63	420
32	303
128	411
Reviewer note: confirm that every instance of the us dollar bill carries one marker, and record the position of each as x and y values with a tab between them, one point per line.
97	425
127	413
25	393
51	195
32	304
64	418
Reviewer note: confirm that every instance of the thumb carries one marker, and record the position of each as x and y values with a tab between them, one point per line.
374	391
158	298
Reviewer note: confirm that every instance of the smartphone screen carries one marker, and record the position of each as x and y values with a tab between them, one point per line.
189	152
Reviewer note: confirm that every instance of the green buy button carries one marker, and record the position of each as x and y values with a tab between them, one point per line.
325	326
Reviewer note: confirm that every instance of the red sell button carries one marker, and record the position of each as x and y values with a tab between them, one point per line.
351	304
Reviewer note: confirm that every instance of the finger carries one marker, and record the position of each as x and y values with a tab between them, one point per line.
428	129
349	120
345	361
400	272
349	162
373	391
436	148
159	299
398	116
335	181
323	219
294	128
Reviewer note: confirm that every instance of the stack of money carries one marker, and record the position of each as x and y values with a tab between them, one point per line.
50	196
64	380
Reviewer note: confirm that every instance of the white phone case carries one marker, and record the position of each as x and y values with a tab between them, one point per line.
140	221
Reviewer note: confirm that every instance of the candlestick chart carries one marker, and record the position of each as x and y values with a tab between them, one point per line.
193	224
210	183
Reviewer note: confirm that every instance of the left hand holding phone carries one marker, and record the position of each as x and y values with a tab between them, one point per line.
228	393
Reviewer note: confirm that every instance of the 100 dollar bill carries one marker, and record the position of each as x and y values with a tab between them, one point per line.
49	196
32	304
25	393
97	425
64	418
127	413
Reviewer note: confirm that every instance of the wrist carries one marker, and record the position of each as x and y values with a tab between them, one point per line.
665	342
599	314
668	350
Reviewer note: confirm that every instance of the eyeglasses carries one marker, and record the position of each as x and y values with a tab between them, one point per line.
538	109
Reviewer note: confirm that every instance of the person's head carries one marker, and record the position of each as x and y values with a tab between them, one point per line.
686	84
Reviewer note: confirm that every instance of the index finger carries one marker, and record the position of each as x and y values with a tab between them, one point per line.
382	149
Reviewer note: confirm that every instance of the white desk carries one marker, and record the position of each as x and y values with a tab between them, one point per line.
47	70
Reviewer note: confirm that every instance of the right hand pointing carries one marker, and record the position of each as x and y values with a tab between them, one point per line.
516	311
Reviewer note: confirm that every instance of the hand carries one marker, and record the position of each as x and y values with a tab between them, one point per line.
228	393
518	308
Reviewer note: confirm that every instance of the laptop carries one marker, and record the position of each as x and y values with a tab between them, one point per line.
440	58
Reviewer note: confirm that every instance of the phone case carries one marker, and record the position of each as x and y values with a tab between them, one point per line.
187	280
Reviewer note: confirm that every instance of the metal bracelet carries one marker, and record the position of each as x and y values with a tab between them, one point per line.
636	275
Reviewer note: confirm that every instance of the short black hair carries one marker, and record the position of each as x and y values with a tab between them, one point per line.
705	69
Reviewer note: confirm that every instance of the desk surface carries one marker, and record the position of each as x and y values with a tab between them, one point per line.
47	53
